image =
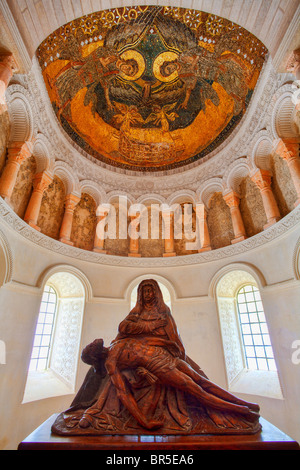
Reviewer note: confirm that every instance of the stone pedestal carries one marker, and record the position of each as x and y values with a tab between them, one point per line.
270	438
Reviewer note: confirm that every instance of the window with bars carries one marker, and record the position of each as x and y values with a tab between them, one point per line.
254	329
44	329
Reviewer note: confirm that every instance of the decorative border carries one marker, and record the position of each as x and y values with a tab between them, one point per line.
275	231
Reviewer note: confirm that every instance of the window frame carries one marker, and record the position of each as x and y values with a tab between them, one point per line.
49	346
267	357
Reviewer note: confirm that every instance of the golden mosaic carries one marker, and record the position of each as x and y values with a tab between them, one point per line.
150	88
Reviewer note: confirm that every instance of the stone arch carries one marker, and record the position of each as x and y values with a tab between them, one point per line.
42	154
6	260
151	198
283	115
182	196
250	270
72	271
91	188
296	260
113	196
211	186
68	177
235	173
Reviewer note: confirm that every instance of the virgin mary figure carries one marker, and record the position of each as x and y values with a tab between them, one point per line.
145	383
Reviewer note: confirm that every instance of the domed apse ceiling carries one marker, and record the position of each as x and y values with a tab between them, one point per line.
150	88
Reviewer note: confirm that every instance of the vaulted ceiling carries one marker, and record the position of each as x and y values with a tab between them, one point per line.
150	88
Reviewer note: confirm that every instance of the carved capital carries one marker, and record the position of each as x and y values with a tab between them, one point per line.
263	179
18	152
232	199
103	211
41	181
71	202
288	150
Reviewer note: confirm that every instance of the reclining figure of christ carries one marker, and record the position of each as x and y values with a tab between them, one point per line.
144	382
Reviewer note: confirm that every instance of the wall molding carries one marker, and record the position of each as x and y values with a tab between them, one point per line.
280	229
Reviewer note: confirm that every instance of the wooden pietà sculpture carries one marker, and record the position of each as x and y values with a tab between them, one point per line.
144	383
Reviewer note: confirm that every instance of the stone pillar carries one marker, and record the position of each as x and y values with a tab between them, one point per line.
201	214
102	213
168	221
40	183
232	199
289	151
134	241
262	178
18	152
7	67
71	202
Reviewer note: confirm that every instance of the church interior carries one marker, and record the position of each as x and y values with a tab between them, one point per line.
149	140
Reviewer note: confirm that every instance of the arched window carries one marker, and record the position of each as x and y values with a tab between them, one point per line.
56	344
248	355
44	330
254	329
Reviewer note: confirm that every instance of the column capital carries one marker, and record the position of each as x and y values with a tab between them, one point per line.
19	151
71	201
103	210
287	150
232	199
41	181
262	178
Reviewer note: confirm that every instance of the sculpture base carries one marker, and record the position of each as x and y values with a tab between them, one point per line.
270	438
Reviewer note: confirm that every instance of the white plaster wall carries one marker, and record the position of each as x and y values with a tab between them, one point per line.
194	309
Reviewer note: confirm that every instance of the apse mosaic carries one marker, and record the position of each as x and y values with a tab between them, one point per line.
150	88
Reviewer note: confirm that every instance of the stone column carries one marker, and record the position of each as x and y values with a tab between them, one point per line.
7	67
201	215
232	199
168	221
289	151
71	202
18	152
40	183
134	241
100	230
262	178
